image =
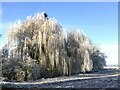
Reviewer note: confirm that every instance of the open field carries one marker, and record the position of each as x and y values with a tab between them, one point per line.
107	78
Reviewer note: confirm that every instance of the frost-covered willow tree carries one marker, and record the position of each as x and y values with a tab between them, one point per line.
78	51
39	48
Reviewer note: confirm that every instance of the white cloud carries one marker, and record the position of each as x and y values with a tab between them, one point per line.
112	52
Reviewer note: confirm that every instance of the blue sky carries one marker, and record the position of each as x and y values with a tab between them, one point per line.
98	20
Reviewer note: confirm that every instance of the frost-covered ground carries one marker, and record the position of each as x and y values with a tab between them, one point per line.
107	78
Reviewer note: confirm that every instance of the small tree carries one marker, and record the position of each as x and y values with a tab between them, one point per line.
98	59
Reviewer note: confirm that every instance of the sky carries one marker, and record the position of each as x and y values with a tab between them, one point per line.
99	20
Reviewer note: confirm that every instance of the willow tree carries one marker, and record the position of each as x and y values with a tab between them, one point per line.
41	47
77	49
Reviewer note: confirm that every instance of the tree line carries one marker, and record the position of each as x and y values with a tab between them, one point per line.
39	48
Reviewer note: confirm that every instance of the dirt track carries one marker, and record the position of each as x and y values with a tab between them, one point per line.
107	78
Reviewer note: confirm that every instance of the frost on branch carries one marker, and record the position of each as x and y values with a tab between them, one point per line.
39	48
